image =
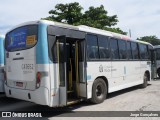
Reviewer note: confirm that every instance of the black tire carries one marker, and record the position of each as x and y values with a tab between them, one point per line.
99	91
158	72
145	81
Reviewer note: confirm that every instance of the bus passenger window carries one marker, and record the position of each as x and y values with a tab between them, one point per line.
129	51
122	49
114	49
104	50
143	51
135	54
92	47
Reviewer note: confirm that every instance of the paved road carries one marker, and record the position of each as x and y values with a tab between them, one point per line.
132	99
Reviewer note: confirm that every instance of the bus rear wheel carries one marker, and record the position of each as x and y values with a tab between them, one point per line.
158	72
99	91
145	81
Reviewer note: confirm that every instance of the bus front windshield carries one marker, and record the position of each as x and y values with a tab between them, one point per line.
21	38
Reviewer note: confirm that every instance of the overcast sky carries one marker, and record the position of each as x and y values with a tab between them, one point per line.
141	16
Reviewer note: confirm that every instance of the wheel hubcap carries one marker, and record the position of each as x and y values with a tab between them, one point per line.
99	91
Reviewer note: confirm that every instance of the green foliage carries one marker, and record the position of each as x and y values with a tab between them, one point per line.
67	13
94	17
151	39
97	17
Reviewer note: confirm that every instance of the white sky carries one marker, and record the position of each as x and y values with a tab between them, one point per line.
141	16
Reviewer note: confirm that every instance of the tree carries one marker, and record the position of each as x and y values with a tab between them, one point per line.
151	39
66	13
94	17
97	17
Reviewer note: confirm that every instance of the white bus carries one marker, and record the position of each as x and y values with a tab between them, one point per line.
56	64
1	63
156	66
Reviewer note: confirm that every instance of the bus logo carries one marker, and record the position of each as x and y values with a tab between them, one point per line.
6	114
100	68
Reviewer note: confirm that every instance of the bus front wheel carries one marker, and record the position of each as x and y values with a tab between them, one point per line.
99	91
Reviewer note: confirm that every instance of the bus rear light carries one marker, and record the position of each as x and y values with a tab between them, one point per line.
38	81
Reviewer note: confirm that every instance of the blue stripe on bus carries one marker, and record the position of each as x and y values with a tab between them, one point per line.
1	50
42	45
88	77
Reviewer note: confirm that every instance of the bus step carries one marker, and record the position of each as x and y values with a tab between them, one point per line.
73	101
70	91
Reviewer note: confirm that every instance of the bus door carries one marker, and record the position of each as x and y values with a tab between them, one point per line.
80	69
61	60
76	82
153	64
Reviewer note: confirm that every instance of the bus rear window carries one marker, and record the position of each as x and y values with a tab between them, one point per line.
21	38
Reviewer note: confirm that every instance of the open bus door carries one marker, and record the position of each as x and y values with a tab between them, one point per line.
65	75
81	70
61	59
153	64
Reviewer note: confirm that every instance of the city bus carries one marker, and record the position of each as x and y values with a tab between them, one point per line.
1	63
55	64
156	56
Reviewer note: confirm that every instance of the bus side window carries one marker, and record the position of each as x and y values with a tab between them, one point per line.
114	49
104	50
150	52
92	47
143	51
135	52
122	49
129	50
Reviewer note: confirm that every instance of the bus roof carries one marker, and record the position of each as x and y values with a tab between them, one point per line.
144	42
157	46
81	28
85	28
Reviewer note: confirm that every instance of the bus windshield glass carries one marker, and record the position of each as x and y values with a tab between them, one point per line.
21	38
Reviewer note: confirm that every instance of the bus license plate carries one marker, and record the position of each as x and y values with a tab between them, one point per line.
19	84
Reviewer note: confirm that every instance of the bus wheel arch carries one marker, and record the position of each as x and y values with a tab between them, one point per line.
146	78
99	90
148	75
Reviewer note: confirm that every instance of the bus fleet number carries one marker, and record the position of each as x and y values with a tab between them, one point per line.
27	66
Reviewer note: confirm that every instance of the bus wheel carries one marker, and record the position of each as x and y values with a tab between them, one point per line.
99	91
145	81
158	72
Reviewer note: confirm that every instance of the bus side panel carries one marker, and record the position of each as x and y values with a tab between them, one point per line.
145	66
133	73
54	85
125	74
94	70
